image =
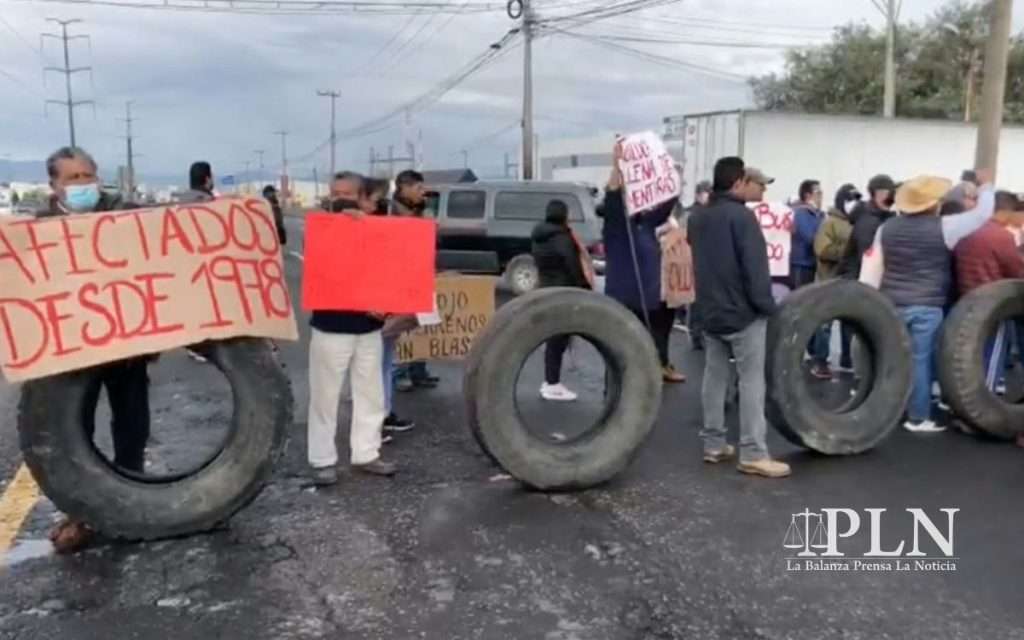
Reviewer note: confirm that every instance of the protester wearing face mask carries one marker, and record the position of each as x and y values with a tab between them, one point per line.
866	219
344	342
75	182
829	247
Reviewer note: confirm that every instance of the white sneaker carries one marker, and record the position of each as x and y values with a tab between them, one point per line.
556	393
928	426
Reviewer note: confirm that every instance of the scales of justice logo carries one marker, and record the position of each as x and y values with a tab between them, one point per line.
813	541
802	537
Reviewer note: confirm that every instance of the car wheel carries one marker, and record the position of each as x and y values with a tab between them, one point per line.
521	274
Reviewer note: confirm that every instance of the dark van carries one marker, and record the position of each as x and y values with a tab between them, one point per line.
485	227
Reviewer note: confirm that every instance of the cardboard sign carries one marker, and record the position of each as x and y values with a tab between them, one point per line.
81	290
465	305
776	220
677	287
648	172
378	264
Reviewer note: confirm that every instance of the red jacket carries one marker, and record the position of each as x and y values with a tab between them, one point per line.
987	255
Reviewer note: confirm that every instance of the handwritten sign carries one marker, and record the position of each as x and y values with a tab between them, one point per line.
676	269
379	264
465	305
776	220
648	171
82	290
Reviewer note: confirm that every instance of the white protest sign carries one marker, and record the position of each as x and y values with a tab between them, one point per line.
776	220
648	172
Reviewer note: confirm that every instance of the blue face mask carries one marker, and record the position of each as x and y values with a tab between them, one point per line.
82	197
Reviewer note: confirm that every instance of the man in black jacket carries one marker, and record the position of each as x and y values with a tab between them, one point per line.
270	195
866	220
75	182
559	264
734	291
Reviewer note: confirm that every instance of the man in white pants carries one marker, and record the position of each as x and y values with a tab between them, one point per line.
343	342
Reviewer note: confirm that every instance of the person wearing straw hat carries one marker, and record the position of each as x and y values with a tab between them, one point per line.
916	253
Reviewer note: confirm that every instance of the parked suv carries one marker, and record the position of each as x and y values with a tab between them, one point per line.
485	227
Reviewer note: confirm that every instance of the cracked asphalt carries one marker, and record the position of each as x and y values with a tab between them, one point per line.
453	549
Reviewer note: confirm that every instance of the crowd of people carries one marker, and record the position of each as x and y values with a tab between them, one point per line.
922	243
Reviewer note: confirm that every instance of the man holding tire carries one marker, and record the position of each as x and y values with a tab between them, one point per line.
734	291
74	178
915	250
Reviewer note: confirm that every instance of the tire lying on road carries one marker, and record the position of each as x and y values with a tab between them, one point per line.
884	386
974	320
82	483
634	388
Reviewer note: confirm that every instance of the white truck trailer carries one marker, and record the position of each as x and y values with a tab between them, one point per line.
834	149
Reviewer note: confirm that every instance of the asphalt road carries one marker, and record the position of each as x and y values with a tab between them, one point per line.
452	549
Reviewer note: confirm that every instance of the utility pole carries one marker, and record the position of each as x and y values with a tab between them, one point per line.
259	153
130	181
68	71
248	179
890	10
284	162
333	95
465	159
526	21
993	90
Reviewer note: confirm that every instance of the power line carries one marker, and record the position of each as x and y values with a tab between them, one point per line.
24	41
21	83
699	43
288	7
436	92
664	60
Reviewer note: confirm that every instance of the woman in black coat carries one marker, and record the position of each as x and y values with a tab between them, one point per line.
560	263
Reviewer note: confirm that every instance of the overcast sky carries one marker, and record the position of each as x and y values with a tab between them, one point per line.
216	86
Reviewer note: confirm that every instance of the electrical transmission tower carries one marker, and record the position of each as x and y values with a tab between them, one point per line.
333	95
68	71
130	178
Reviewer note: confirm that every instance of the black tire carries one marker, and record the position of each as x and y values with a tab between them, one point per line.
634	388
884	388
521	274
974	319
82	483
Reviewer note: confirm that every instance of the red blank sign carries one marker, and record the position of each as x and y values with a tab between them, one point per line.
384	265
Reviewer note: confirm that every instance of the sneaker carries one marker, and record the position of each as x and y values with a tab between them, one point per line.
714	457
397	425
845	367
195	356
378	467
822	372
765	467
324	476
669	374
557	393
679	326
404	384
923	426
430	382
386	439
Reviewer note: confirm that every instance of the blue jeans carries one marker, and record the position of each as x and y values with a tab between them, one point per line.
923	323
389	371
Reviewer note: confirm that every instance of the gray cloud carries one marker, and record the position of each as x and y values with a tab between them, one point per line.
216	86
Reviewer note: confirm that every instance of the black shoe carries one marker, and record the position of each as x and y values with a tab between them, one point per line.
430	382
398	425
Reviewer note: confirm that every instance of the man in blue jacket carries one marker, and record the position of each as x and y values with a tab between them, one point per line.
803	264
734	291
635	281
